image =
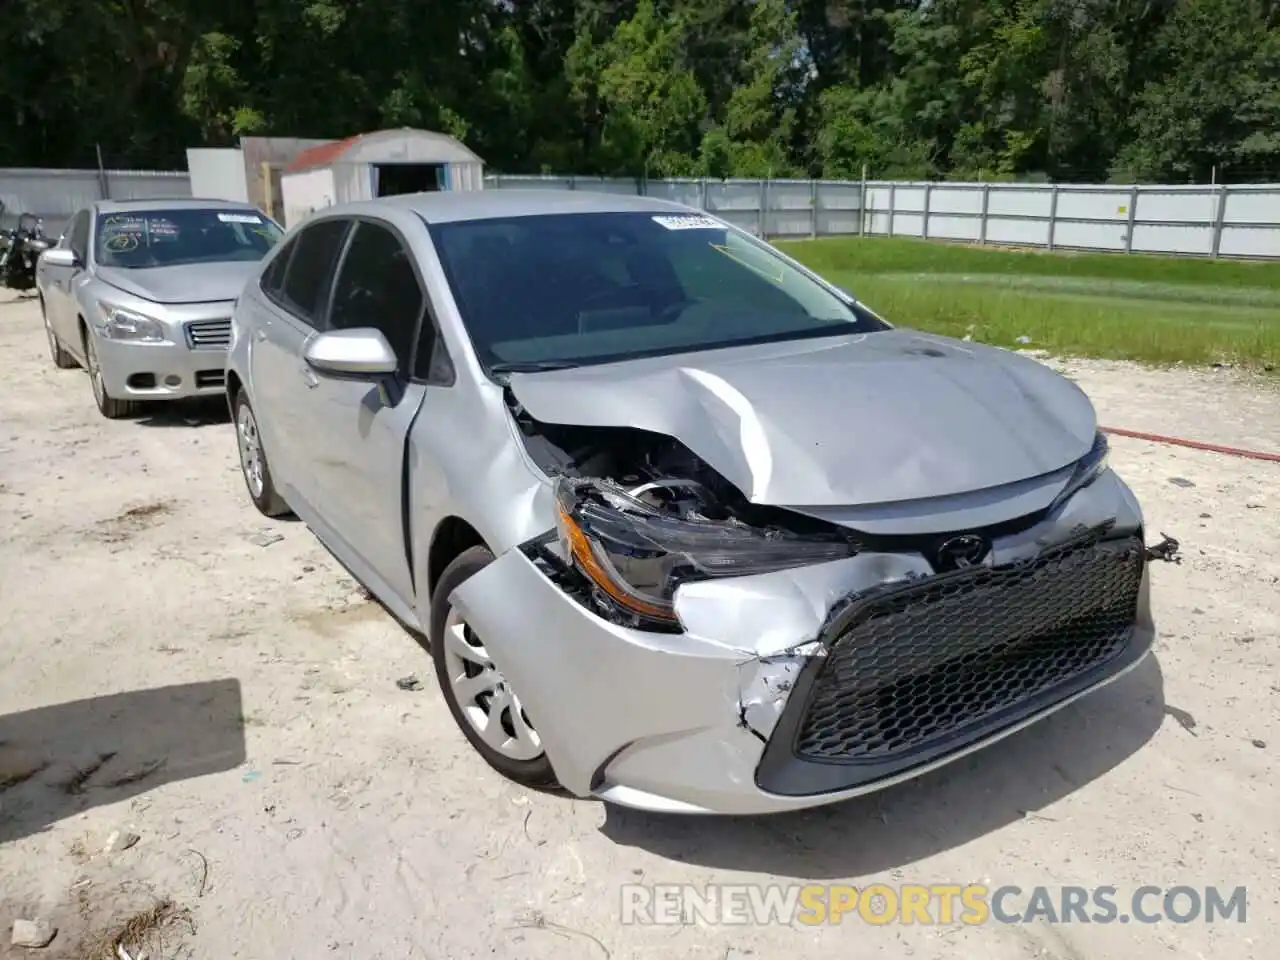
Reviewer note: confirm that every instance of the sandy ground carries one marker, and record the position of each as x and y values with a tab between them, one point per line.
235	706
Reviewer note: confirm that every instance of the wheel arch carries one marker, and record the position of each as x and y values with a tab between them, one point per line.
452	536
233	387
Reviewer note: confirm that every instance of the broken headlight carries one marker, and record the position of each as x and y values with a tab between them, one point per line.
1088	468
637	555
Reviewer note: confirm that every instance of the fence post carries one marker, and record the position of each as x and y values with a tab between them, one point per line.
764	202
862	204
702	193
924	220
893	205
1133	216
1053	214
1218	219
813	209
102	174
986	205
573	182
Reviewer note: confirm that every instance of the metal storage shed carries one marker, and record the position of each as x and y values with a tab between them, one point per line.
376	165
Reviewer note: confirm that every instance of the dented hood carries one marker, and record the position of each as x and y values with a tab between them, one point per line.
838	421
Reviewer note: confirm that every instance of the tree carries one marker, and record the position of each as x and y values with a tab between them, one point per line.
1068	89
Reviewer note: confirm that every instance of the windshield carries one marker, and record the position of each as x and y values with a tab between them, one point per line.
162	238
570	289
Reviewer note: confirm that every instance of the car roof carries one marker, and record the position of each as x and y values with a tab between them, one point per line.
462	205
172	203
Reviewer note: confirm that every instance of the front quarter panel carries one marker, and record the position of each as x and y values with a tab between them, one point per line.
238	350
465	460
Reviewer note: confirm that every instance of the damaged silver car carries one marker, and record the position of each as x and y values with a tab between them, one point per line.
689	528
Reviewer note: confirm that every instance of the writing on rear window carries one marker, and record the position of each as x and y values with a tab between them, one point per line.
239	218
688	223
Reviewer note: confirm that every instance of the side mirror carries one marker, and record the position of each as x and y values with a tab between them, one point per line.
60	257
360	354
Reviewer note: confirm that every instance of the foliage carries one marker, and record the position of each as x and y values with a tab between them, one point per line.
1148	90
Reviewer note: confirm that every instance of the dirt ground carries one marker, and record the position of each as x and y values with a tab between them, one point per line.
169	672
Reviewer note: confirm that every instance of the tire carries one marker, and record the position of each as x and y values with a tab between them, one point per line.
253	460
61	358
516	760
108	406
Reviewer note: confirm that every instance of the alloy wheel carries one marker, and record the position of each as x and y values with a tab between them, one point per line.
95	372
53	340
250	449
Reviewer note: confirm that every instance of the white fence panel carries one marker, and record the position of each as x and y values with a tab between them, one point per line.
1088	234
790	208
1252	205
1194	205
1172	238
838	208
1253	242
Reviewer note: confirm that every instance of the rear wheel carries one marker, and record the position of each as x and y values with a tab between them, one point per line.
108	406
61	358
484	706
253	461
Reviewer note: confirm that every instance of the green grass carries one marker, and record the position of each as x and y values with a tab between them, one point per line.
1158	310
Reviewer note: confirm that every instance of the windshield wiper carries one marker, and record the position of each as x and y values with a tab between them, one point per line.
531	366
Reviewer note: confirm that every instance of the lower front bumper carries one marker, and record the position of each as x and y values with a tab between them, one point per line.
160	371
680	722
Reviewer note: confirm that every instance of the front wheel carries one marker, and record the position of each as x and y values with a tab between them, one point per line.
108	406
483	705
61	358
253	461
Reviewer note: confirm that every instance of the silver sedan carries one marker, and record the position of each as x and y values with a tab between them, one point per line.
139	294
689	528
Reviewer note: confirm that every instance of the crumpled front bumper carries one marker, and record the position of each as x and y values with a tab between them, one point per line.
681	722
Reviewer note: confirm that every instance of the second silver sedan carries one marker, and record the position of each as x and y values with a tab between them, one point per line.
140	294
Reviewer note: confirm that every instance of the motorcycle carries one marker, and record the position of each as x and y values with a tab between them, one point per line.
20	249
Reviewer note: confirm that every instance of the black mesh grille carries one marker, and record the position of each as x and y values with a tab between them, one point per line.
918	664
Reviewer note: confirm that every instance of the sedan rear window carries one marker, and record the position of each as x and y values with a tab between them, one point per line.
572	289
161	238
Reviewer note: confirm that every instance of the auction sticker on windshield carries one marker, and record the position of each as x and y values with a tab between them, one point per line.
688	223
239	218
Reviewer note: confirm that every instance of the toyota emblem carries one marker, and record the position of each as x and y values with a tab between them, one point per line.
966	550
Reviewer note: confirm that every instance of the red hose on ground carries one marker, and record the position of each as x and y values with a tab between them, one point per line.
1194	444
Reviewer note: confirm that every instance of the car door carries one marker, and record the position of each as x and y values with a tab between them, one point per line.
357	431
295	288
60	304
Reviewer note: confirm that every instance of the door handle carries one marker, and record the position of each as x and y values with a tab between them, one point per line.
260	335
309	377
